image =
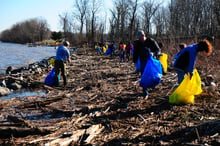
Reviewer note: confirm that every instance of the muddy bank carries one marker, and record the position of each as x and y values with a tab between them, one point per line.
102	104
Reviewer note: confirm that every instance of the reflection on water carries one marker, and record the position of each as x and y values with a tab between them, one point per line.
23	93
17	55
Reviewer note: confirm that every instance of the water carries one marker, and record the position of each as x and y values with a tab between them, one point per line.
17	55
23	93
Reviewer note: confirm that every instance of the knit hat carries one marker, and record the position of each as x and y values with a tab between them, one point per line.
139	34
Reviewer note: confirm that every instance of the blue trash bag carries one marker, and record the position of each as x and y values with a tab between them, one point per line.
50	78
138	65
152	74
108	51
98	49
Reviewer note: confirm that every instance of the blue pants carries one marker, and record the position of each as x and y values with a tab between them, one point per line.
180	74
145	90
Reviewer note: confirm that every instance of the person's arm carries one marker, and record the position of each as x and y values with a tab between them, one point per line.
154	47
68	56
68	59
135	55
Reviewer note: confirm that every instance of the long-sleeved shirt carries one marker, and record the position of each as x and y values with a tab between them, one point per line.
186	58
62	53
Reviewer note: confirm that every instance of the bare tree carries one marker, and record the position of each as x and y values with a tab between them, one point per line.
95	7
194	17
44	31
79	13
133	7
150	7
29	31
113	22
119	14
160	20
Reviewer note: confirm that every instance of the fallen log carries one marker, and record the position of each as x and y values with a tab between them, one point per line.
7	132
20	121
40	103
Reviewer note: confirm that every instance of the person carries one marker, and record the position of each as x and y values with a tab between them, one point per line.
186	59
129	48
121	51
143	48
113	48
62	56
181	47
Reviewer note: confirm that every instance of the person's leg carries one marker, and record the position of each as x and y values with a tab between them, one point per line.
145	90
180	74
57	72
63	73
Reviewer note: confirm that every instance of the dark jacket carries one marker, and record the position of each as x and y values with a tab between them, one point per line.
143	49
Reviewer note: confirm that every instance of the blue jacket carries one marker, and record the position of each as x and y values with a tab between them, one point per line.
186	58
62	53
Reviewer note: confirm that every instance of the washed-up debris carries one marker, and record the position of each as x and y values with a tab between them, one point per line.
102	104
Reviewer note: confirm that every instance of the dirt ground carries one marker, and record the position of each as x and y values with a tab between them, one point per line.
103	105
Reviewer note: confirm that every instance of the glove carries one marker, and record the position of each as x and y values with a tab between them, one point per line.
191	74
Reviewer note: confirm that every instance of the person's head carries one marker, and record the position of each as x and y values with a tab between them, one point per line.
59	42
205	46
182	45
140	35
66	43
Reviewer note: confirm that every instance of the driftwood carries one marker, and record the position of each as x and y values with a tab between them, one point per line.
102	104
21	121
83	136
7	132
40	103
23	128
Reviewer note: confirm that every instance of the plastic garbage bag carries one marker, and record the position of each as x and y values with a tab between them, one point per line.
50	78
152	74
184	94
163	59
138	65
108	51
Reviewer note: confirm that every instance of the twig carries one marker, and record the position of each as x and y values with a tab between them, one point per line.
171	89
197	133
141	117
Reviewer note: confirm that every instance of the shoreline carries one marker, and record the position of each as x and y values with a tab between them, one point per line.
16	79
102	105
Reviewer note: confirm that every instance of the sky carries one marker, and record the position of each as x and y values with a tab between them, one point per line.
16	11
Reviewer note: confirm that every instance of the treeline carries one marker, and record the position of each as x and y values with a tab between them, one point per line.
29	31
89	21
176	19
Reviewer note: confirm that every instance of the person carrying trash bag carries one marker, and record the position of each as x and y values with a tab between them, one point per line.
143	48
186	59
188	78
62	57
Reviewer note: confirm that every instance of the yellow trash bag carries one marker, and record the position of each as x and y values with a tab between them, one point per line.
52	61
104	49
163	60
184	94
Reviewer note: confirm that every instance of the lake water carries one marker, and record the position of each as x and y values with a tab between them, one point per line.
17	55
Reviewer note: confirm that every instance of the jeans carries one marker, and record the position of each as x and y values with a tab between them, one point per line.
145	90
180	74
